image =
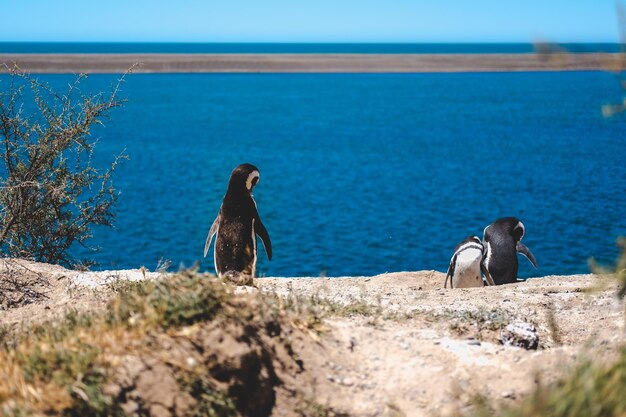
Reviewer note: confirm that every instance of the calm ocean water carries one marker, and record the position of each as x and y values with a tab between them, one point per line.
367	173
378	48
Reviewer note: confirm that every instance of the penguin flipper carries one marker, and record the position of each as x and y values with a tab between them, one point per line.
450	272
486	273
521	248
260	230
212	232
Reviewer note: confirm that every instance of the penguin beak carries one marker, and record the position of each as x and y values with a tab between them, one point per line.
527	253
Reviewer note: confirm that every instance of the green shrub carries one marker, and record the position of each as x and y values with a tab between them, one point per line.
51	194
183	299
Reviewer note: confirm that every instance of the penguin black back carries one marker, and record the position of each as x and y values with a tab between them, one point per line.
502	240
237	225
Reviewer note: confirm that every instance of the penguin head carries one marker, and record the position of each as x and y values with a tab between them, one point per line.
509	229
243	178
507	226
469	240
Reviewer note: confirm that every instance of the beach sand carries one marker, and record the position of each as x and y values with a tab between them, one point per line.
319	63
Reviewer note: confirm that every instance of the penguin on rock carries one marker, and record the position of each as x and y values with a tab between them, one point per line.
236	227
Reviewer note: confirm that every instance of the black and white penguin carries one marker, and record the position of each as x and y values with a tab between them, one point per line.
502	241
236	226
466	265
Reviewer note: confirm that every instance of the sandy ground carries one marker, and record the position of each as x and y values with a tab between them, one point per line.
172	63
428	351
398	343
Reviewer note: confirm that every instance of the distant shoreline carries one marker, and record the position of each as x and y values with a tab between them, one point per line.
307	63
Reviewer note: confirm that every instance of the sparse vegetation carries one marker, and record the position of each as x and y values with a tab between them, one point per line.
195	346
592	390
477	321
353	308
619	270
181	300
90	364
51	193
313	309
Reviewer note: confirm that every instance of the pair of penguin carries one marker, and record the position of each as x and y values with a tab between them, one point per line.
495	256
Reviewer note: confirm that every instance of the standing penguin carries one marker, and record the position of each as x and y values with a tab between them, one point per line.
236	226
502	241
466	265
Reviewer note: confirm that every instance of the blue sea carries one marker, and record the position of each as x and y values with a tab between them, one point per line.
366	173
296	48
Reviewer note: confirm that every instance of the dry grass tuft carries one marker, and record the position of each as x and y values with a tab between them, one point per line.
590	391
80	365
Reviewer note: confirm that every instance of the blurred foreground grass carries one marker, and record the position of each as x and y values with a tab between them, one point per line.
592	390
217	348
61	368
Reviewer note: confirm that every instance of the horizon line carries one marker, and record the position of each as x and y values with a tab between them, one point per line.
323	42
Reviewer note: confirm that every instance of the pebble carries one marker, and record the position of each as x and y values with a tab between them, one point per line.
346	382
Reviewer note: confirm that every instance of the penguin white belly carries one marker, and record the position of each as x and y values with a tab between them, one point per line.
467	269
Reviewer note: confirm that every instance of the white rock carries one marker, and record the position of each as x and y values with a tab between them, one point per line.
520	334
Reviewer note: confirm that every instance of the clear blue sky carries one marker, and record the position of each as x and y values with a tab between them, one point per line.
309	21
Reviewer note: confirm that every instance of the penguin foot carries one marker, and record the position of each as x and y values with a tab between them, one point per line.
238	278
